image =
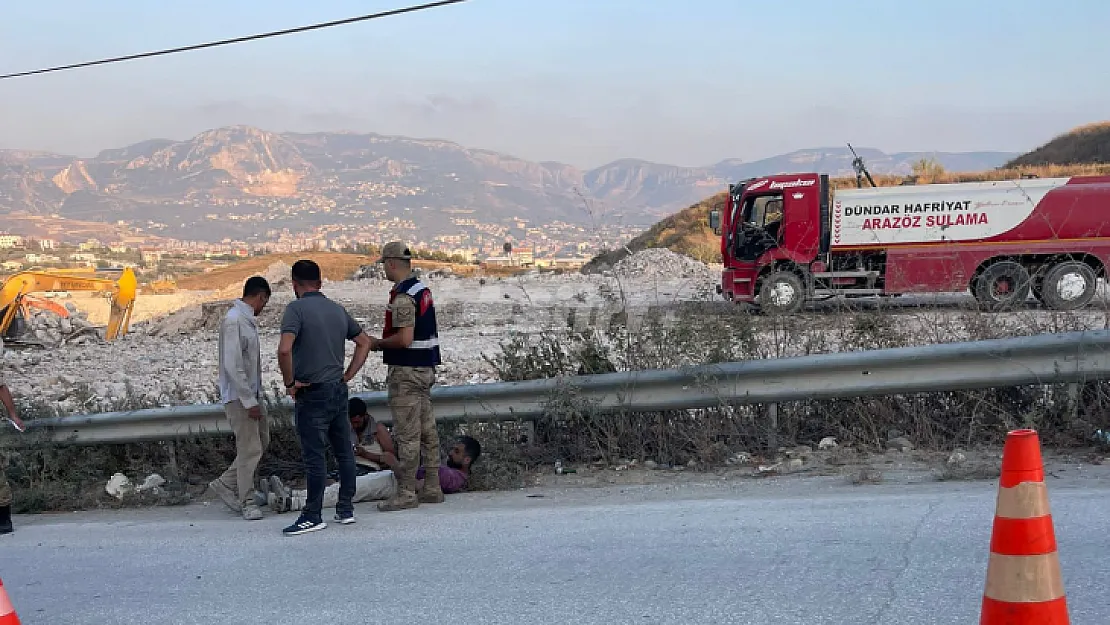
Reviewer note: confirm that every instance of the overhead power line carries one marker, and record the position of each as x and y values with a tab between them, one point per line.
225	42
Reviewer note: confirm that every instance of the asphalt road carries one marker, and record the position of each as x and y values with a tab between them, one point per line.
785	551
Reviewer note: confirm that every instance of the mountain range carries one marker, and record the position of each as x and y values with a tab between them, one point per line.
240	181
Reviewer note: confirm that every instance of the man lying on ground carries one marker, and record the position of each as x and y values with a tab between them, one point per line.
454	477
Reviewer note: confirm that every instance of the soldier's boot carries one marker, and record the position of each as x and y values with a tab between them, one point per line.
432	492
405	497
6	520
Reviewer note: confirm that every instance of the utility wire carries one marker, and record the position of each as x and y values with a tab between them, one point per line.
224	42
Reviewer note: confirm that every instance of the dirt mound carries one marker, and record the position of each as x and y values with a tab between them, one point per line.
191	320
663	264
686	232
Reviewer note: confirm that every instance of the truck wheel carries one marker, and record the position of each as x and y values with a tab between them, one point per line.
1069	285
782	293
1002	286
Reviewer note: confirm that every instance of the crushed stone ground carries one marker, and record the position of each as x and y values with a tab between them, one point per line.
170	355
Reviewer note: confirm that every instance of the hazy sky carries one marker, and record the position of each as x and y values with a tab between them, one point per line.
578	81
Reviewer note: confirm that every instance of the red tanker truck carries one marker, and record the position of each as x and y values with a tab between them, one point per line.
786	239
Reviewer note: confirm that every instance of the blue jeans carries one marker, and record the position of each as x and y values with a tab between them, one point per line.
320	411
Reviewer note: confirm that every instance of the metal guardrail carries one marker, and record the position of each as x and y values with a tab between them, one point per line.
1043	359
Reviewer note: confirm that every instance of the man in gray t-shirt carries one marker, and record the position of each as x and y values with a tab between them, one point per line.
314	331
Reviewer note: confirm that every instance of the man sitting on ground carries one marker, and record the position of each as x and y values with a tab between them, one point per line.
374	450
381	485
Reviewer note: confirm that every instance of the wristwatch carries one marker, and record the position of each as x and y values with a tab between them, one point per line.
290	385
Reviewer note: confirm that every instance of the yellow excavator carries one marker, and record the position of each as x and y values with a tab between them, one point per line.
15	296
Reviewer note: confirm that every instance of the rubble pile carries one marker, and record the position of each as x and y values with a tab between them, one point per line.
662	263
172	359
48	328
370	272
376	271
183	322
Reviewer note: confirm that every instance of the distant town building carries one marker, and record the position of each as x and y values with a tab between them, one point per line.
9	241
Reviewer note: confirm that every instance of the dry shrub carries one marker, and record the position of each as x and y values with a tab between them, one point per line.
573	429
49	476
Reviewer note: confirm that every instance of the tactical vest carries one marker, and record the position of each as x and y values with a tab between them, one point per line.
424	350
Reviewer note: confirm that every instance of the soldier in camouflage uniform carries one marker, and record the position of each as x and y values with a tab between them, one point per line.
410	349
13	416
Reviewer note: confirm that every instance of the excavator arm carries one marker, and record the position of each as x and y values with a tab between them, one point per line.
123	302
30	301
17	287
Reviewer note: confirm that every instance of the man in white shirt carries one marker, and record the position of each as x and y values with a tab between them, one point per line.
240	378
10	412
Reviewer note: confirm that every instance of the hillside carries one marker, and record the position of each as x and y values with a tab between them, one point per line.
335	266
1086	145
687	232
247	184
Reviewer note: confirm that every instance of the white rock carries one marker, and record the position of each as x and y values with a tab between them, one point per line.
152	481
827	443
119	486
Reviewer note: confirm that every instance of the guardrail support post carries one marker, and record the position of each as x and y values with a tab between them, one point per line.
773	427
1074	393
171	450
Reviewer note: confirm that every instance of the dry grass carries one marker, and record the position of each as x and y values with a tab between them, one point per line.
573	430
46	476
1086	144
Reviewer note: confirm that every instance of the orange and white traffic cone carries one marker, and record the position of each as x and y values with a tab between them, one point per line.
7	612
1024	585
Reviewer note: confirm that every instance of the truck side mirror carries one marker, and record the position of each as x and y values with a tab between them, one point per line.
715	221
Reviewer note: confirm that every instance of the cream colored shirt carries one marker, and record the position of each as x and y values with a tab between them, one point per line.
3	368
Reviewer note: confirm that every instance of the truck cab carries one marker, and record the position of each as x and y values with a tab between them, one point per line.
770	228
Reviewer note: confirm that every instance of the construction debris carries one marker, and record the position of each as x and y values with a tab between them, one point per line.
662	263
374	271
49	329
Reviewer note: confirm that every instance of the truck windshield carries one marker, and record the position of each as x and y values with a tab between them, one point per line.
763	210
